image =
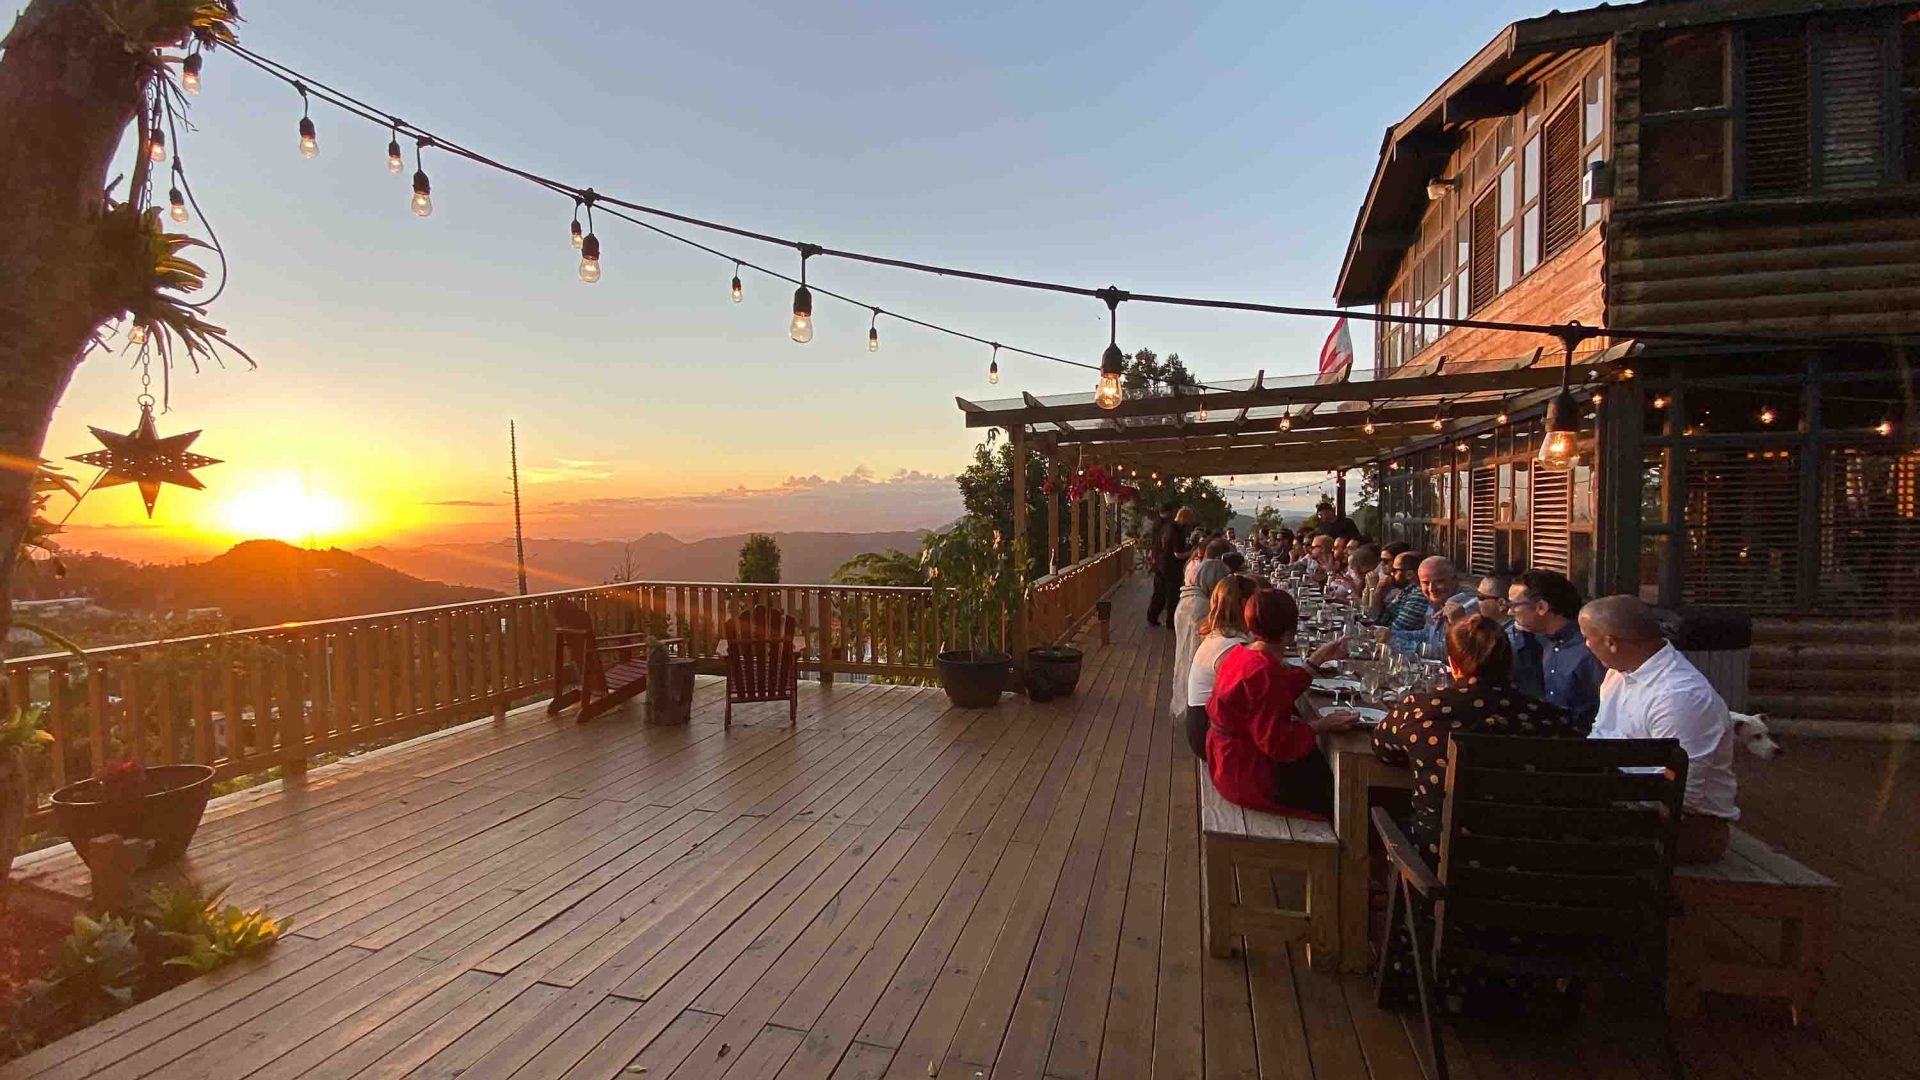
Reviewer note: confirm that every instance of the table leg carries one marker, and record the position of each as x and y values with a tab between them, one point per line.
1352	832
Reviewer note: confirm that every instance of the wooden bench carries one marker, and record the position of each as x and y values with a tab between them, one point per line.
1751	881
1235	838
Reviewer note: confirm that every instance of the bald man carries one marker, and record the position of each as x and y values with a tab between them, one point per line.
1439	583
1652	692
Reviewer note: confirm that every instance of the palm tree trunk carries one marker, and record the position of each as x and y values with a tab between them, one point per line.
68	89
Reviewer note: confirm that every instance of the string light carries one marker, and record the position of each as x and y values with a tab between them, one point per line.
177	206
1559	439
590	259
1768	416
422	189
1661	401
993	367
574	235
157	146
1440	417
1503	418
1366	427
137	334
309	142
1203	409
737	293
1108	393
1286	420
873	337
1884	427
801	328
190	73
395	162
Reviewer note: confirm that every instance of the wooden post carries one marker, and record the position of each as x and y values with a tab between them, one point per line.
1812	457
1017	630
1617	485
1340	493
1674	509
1075	550
1053	517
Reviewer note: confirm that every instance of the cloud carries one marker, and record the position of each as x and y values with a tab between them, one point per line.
857	502
463	502
565	470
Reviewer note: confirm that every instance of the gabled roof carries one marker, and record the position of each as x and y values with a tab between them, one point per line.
1416	149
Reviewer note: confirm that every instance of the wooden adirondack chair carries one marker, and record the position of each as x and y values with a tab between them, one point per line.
577	659
763	662
1554	846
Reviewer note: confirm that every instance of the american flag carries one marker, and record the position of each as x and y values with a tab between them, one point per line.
1336	356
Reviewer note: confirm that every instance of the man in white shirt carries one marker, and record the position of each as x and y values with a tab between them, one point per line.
1652	692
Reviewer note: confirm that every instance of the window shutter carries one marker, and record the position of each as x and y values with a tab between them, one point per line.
1560	193
1777	110
1481	556
1551	519
1486	248
1853	78
1742	528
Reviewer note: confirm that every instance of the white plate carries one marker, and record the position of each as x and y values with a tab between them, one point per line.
1369	717
1328	686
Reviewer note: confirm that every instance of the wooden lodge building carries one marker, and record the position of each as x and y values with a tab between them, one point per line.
1748	169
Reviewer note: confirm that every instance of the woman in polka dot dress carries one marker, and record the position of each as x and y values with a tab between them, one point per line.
1417	733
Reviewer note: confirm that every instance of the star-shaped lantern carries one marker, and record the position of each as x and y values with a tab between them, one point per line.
142	457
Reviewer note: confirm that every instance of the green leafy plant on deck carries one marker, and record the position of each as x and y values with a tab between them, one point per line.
97	973
197	931
976	580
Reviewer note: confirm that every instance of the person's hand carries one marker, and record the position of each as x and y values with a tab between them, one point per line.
1335	720
1452	611
1331	651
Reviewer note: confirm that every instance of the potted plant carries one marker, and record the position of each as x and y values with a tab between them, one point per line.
1052	671
973	573
162	804
20	734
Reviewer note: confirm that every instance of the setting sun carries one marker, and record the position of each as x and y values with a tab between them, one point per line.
285	511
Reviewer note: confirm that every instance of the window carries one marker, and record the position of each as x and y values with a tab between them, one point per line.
1505	193
1777	156
1530	206
1593	128
1486	257
1685	122
1851	59
1562	200
1910	94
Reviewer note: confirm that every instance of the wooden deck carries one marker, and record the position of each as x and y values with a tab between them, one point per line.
896	888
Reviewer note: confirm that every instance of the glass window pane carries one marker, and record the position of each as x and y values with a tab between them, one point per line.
1503	137
1506	194
1506	260
1461	297
1593	210
1530	171
1463	242
1686	69
1530	240
1684	160
1594	112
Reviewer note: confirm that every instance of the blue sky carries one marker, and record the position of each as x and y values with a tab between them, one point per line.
1200	149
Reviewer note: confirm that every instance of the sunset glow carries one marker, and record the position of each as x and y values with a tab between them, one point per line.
286	511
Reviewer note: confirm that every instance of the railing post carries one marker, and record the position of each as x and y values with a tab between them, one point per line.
824	606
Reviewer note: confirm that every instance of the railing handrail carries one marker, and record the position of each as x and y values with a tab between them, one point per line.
349	620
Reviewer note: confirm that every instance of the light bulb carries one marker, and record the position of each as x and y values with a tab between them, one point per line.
873	340
1502	418
157	146
1768	416
190	74
137	334
394	161
1462	447
1203	412
1439	423
422	194
1884	427
575	236
1286	421
177	206
736	288
1108	394
801	328
1367	428
1662	401
993	373
590	259
309	142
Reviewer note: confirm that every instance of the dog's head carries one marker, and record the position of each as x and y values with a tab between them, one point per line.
1753	734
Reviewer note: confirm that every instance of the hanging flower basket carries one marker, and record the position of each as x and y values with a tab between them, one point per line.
162	804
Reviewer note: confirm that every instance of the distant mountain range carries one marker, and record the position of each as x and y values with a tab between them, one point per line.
256	583
805	557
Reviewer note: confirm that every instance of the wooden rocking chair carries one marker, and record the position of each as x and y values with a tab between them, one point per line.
577	659
763	662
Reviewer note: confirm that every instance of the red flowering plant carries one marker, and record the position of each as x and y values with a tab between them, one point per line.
124	781
1096	478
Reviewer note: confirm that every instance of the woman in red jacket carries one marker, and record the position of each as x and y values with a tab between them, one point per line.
1260	753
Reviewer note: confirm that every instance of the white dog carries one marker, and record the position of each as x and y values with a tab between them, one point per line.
1752	730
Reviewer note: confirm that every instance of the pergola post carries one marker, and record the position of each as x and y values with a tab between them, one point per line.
1017	620
1618	438
1053	515
1077	537
1340	494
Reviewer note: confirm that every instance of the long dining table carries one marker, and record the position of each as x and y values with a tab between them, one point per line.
1357	774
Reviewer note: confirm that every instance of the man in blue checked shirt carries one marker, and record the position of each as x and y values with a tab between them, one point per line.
1550	658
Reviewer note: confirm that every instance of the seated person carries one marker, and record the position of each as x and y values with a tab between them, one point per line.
1652	692
1351	584
1260	754
1481	699
1491	600
1402	607
1551	659
1223	629
1318	562
1446	601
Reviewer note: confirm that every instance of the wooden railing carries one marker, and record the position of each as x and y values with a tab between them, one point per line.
1058	603
251	700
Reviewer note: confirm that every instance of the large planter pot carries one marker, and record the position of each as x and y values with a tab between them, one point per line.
1052	671
13	809
167	814
973	679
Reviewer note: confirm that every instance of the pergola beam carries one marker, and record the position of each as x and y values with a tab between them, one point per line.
1441	386
1198	433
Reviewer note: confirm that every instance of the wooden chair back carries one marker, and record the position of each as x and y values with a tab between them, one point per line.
575	646
1567	843
762	663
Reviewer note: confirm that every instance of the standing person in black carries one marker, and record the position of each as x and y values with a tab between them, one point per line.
1170	551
